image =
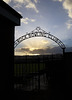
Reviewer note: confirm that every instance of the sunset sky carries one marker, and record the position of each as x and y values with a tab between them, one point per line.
54	16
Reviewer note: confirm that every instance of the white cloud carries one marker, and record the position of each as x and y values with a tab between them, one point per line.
32	20
7	1
19	1
27	4
27	20
69	24
32	5
67	5
58	0
36	1
17	5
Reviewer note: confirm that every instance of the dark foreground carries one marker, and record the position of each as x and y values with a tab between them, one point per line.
59	86
54	93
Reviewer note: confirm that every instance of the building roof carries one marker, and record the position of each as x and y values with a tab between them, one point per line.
8	8
9	13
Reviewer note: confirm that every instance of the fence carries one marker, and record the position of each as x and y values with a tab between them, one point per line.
28	71
33	72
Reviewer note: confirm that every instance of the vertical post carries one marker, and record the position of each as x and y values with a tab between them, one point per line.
63	51
38	73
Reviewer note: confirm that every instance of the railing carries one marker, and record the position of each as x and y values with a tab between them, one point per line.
27	73
36	72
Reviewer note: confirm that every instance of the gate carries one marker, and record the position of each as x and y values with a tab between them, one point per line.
29	73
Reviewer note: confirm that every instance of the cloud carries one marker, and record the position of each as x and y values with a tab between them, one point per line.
69	24
32	20
19	1
22	49
27	20
17	6
36	43
36	1
54	50
7	1
37	49
34	46
67	5
44	42
47	51
28	4
58	0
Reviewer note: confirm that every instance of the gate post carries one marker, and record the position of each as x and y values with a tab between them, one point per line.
38	73
63	51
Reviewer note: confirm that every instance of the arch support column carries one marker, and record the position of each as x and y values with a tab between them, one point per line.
63	51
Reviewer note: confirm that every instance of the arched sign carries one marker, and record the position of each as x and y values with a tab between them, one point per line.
38	32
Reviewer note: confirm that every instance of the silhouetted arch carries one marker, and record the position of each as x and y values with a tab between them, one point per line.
38	32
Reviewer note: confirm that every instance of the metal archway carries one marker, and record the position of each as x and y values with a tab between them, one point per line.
38	32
